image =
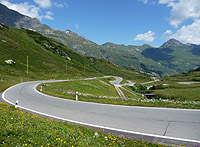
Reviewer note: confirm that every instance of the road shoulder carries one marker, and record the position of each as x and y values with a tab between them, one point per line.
1	99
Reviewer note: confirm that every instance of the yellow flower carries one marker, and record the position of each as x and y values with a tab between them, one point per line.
57	138
41	145
64	141
25	144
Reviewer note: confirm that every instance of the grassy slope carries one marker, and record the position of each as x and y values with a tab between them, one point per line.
46	63
179	91
19	128
92	87
88	89
185	77
96	91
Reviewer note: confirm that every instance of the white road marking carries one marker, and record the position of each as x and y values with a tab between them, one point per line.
98	126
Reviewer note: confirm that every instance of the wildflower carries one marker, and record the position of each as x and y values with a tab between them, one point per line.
120	142
25	145
197	145
11	118
122	136
57	138
106	138
96	134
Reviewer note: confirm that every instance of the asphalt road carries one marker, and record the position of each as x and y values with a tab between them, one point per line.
165	125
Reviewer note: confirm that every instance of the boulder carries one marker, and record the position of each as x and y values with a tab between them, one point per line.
10	62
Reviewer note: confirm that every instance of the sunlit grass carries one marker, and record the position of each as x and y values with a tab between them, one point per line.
98	92
19	128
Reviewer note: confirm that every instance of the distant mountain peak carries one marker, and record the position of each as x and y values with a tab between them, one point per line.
172	42
108	44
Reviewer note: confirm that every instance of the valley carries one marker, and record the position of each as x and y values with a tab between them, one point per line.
149	93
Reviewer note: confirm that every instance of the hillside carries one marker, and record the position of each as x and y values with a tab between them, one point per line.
47	60
168	59
181	87
191	76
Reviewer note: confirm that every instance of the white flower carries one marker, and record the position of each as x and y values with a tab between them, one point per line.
96	134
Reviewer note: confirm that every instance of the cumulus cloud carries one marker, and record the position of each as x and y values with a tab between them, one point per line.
27	9
189	33
146	37
167	33
144	1
43	3
23	8
182	10
48	15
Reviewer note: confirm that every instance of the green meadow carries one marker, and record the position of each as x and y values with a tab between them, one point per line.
20	128
96	91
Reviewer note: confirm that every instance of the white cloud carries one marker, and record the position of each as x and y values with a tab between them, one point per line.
167	33
189	34
27	9
144	1
48	15
43	3
23	8
182	10
166	2
76	26
61	5
146	37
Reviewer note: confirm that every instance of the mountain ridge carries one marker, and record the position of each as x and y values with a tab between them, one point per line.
168	59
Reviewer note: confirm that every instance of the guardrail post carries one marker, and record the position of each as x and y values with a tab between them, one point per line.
76	95
16	103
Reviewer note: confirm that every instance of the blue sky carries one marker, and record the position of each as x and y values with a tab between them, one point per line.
129	22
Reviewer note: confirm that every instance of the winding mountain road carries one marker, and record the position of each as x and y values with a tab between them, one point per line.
171	126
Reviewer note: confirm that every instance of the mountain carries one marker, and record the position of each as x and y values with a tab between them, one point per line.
171	58
191	76
48	59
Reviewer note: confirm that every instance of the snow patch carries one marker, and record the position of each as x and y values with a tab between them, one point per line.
67	32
